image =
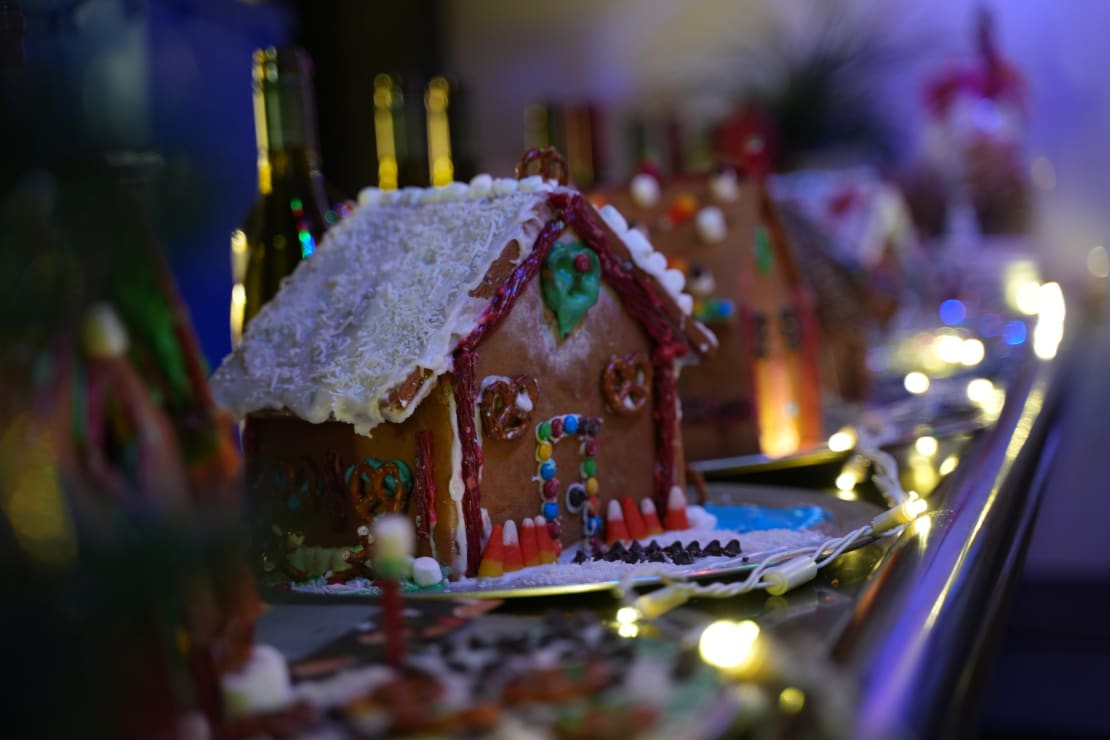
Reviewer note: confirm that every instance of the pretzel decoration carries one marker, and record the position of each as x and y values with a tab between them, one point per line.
552	165
368	497
626	383
503	415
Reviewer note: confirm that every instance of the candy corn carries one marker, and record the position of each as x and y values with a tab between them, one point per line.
493	559
547	548
514	560
651	518
676	510
615	529
529	544
636	528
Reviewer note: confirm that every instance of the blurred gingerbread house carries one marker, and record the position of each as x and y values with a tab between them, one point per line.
856	245
760	393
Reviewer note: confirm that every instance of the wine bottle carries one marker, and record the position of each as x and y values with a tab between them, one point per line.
294	206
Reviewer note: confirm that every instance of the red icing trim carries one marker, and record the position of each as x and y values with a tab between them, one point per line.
466	385
638	298
466	395
424	485
509	291
665	422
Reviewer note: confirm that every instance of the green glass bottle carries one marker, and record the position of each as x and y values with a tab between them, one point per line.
294	206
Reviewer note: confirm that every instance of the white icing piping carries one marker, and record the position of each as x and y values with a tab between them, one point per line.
649	260
456	488
480	186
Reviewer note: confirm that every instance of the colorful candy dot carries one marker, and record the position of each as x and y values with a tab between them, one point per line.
547	470
550	511
570	423
591	486
589	467
551	488
553	530
582	263
557	427
543	452
543	431
593	525
591	447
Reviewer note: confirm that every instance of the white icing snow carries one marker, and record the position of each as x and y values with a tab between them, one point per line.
387	291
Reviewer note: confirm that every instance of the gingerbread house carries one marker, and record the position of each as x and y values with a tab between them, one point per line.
760	392
468	354
856	245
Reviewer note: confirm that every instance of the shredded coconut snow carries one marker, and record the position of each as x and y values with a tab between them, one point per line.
388	292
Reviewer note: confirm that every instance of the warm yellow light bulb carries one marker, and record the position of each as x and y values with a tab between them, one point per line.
627	615
926	446
792	700
915	507
1027	297
628	630
846	481
730	645
980	390
950	463
843	440
972	352
916	382
947	347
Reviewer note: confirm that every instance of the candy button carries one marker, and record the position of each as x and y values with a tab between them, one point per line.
556	427
593	525
550	511
543	452
543	431
547	470
589	467
551	488
570	424
553	531
591	486
582	263
591	447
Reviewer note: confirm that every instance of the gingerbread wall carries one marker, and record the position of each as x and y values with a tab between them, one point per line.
290	457
758	392
568	373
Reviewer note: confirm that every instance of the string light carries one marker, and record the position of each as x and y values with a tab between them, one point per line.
1049	330
948	465
916	382
731	646
792	700
926	446
972	352
980	390
843	440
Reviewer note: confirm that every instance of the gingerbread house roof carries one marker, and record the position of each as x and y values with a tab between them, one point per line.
360	332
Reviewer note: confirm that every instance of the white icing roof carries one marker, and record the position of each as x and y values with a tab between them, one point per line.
386	292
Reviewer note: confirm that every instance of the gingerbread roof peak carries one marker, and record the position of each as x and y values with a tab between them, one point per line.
386	298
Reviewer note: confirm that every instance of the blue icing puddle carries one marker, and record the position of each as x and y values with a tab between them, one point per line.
752	518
